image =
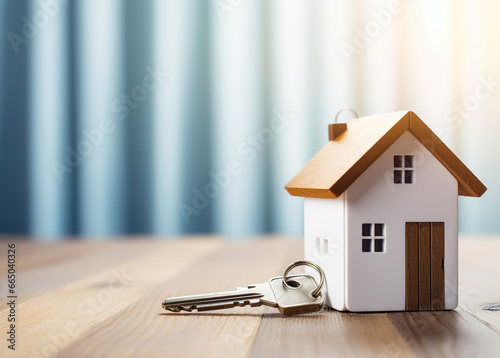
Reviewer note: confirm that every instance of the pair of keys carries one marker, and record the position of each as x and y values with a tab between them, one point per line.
290	294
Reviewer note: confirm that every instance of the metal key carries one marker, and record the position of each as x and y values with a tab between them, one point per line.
298	294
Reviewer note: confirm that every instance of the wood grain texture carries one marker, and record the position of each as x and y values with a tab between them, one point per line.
335	130
229	332
89	312
35	254
437	266
411	245
424	266
341	161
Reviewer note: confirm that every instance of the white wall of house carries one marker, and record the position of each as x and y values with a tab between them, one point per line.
324	243
376	280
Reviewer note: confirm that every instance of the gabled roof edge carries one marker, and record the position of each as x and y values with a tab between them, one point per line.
371	155
468	183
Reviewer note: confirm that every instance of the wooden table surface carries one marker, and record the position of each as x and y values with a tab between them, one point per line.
91	299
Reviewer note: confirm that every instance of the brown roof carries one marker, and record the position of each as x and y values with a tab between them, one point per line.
340	162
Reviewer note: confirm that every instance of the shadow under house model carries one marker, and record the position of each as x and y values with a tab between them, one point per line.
381	214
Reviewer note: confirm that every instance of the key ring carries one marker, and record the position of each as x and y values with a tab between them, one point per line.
316	292
352	111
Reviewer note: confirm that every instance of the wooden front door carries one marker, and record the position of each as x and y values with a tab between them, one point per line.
424	266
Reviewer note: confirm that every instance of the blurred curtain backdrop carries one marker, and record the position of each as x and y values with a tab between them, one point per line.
96	140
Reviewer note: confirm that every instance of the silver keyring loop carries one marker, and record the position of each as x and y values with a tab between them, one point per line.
346	110
316	292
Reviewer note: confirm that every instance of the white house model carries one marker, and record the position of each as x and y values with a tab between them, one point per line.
381	214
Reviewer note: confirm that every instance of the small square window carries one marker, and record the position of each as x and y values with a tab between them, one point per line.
379	229
379	245
408	176
366	229
408	161
373	239
367	245
404	171
398	161
398	176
